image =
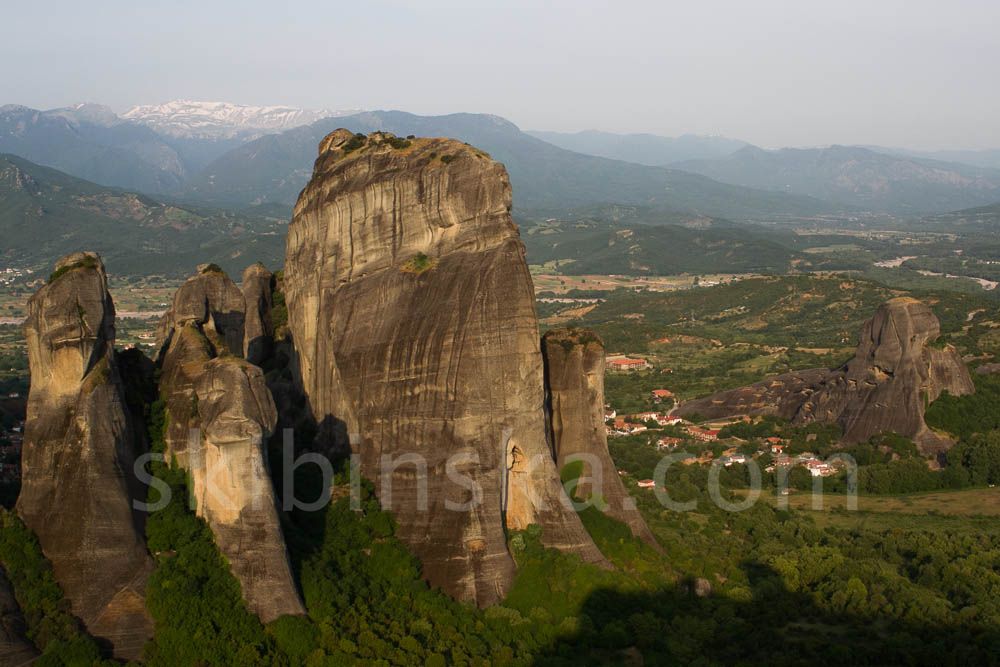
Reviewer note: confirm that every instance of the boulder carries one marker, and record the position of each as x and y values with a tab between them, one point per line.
988	369
78	479
574	381
412	314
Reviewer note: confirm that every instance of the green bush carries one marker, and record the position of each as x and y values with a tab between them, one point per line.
964	415
87	262
354	143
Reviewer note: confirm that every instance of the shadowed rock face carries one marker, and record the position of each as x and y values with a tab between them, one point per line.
574	377
15	649
78	457
894	375
412	313
258	335
223	399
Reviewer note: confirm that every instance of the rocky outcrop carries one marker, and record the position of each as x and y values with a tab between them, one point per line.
78	481
412	314
219	415
212	302
258	335
895	373
15	649
574	378
781	396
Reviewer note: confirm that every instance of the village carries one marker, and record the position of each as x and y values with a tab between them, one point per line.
715	442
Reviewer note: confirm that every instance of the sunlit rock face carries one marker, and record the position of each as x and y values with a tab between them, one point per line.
412	314
212	302
78	480
219	415
574	377
895	373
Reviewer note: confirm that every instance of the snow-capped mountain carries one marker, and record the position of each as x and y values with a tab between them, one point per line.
189	119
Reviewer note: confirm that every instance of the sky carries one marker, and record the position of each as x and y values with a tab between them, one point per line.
917	74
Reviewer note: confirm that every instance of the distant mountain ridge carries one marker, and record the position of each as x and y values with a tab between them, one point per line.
275	167
855	176
648	149
186	119
91	142
989	158
228	155
45	214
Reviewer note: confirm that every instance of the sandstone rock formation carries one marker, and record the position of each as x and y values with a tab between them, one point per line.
15	649
219	415
77	463
894	375
412	314
213	303
574	378
258	333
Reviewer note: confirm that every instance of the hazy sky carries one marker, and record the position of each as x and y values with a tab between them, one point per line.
921	74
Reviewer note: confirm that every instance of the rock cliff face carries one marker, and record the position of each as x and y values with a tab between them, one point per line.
79	452
15	649
574	378
894	375
258	333
220	413
412	314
